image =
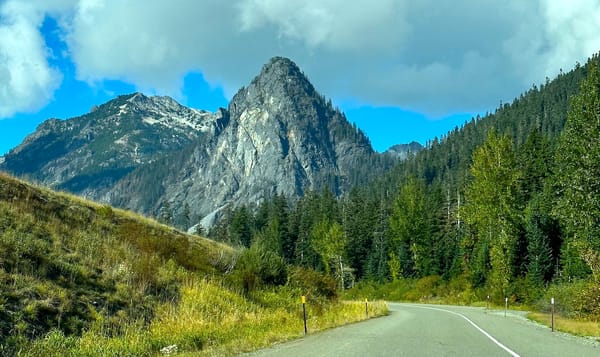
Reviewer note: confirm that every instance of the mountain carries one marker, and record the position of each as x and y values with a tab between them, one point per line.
278	136
88	154
402	151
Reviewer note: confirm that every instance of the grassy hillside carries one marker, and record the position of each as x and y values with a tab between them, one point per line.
80	278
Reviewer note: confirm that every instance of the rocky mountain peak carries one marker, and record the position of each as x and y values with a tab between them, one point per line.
279	136
402	151
280	82
283	69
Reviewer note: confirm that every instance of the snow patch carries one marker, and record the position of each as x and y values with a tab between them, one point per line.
123	109
122	141
150	120
136	96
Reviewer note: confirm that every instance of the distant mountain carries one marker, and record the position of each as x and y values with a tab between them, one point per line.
88	154
278	135
402	151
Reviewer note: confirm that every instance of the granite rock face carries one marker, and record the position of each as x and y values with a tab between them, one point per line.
403	151
278	135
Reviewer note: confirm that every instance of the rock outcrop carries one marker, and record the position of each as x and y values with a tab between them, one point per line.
278	135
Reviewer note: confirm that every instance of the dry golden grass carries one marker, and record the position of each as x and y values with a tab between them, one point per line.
130	286
225	323
572	326
211	320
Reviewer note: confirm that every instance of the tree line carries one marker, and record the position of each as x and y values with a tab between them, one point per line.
507	200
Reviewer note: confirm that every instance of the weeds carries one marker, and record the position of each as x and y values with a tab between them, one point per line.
210	319
83	279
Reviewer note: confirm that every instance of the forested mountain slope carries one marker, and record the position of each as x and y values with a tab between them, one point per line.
157	157
504	205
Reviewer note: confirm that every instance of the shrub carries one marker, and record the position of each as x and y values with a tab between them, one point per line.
106	212
567	297
257	267
424	288
313	284
587	302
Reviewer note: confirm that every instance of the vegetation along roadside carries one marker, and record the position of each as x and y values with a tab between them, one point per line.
84	279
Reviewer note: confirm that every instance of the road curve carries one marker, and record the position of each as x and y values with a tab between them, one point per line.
436	330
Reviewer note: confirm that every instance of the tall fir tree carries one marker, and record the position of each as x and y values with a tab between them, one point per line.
578	172
411	229
490	210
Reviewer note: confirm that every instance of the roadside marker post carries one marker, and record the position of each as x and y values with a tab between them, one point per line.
304	313
552	303
367	308
487	306
505	305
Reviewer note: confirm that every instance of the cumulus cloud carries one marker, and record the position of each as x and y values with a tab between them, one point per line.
429	56
573	27
331	25
26	79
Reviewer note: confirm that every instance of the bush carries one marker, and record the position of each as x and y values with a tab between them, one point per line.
568	298
424	288
106	212
313	284
588	302
257	267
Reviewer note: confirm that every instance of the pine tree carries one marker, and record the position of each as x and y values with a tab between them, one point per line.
187	215
241	226
539	251
359	219
578	172
165	214
377	262
490	209
410	225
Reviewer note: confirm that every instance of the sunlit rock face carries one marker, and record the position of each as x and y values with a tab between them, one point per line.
278	135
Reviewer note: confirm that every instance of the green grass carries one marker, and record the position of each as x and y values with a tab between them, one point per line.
576	302
210	319
84	279
570	325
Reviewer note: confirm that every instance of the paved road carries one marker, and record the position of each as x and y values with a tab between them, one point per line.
433	330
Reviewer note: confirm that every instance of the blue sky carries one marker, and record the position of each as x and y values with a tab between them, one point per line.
403	70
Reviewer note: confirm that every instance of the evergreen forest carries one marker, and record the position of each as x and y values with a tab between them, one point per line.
508	205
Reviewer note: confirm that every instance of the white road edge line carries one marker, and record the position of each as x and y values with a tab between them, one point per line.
512	353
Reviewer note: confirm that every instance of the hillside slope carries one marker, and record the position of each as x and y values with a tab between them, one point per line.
65	261
82	279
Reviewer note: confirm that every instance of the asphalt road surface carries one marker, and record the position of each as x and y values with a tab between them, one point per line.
436	330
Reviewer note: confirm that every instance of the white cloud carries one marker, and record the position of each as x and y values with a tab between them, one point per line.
425	55
26	80
573	28
153	44
333	25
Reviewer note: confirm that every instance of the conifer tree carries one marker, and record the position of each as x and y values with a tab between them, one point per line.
490	209
578	172
411	228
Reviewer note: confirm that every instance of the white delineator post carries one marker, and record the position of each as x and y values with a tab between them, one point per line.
552	303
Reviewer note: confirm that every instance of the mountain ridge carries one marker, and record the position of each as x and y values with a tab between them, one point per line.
277	136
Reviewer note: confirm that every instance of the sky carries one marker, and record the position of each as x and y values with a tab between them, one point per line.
402	70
